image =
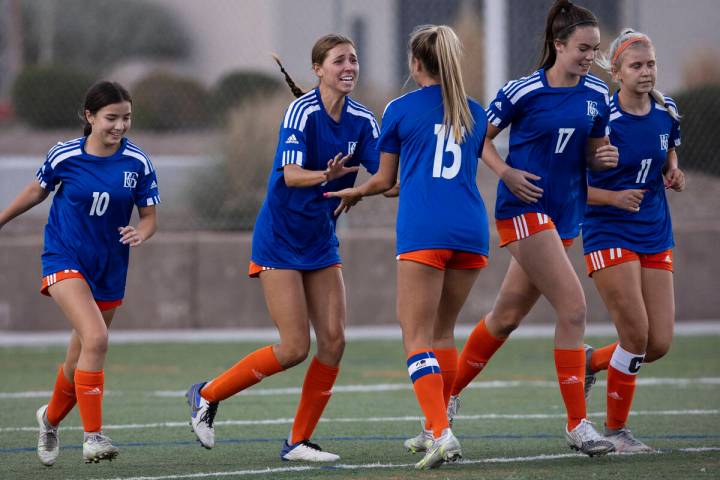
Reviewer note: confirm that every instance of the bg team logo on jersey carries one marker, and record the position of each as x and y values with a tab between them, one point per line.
351	147
664	141
130	179
592	108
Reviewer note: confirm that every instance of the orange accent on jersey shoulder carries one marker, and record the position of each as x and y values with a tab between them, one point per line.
443	258
516	228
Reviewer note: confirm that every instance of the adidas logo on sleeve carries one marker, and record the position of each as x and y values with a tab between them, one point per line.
292	139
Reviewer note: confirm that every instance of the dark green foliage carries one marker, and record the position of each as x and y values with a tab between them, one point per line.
164	101
94	35
50	96
700	128
234	88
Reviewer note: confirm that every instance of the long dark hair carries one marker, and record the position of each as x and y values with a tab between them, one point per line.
562	20
100	95
319	52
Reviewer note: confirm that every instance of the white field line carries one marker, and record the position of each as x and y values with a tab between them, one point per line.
9	338
391	387
407	418
372	466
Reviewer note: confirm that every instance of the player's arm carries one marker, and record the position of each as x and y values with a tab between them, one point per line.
296	176
629	199
31	195
382	181
145	229
673	177
602	155
518	181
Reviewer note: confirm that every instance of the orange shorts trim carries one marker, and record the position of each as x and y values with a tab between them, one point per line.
254	270
444	258
56	277
516	228
610	257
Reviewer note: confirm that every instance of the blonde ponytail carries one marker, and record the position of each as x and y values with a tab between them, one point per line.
439	49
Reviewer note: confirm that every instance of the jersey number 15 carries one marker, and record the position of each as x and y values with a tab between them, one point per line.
440	170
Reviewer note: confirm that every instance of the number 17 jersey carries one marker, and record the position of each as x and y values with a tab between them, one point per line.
549	134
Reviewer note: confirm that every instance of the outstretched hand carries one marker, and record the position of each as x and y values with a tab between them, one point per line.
349	197
336	167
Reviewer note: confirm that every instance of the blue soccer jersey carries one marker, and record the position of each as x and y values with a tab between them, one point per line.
295	228
95	196
440	204
643	142
549	135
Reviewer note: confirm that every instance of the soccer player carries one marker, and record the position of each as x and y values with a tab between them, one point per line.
559	116
99	177
627	233
295	250
434	135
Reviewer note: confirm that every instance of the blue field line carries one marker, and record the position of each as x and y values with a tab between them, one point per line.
368	438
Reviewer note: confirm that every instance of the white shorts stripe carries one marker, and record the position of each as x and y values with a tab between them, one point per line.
524	224
517	231
612	254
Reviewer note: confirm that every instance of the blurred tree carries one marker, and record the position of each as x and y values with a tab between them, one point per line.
94	35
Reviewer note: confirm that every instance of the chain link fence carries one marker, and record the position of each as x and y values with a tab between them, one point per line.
208	98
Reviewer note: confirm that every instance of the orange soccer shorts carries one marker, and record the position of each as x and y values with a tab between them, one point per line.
443	258
609	257
254	269
56	277
516	228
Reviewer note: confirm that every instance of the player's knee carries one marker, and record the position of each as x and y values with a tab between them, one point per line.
574	316
290	354
332	347
95	344
635	341
656	350
506	321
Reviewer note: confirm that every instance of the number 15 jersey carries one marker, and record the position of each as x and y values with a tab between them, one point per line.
548	137
96	196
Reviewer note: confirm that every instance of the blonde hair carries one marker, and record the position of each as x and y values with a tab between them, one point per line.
611	61
319	52
439	50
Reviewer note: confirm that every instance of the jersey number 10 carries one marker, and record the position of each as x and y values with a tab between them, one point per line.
440	170
101	200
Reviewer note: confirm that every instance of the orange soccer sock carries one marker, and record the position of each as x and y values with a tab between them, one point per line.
600	358
447	359
63	399
570	366
428	385
89	388
620	392
481	345
246	373
316	392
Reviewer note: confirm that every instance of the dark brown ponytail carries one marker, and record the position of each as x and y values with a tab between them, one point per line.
562	20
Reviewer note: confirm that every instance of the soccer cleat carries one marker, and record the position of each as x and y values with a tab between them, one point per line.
202	415
98	447
585	439
421	442
589	374
625	442
48	447
444	449
453	408
306	451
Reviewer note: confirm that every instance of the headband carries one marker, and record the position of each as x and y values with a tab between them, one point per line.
624	45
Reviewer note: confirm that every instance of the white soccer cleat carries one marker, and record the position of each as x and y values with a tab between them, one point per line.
590	377
98	447
422	442
305	451
444	449
625	442
584	438
202	415
453	408
48	447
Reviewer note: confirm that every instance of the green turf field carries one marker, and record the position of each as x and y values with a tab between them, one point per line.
510	423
